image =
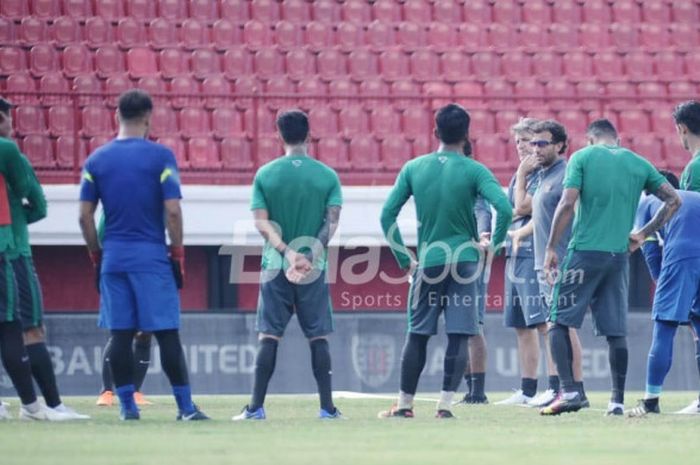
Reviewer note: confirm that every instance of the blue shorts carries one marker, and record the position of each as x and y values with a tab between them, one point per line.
678	291
138	300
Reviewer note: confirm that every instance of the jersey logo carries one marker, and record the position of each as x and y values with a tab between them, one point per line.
296	163
442	159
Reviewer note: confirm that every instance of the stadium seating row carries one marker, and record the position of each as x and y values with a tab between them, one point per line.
378	35
455	11
330	64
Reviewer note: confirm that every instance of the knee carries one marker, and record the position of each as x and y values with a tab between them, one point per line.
617	342
34	336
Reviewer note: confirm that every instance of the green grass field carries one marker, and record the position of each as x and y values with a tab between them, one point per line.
292	435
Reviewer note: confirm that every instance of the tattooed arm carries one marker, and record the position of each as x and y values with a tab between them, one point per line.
672	203
328	228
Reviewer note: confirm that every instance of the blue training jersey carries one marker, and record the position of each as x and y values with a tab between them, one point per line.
132	178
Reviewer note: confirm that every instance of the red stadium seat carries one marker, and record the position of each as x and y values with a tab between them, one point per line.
12	60
685	12
648	146
441	36
455	66
417	11
578	66
393	65
268	63
203	10
563	36
203	152
342	87
54	83
141	62
226	122
574	121
537	12
356	11
61	120
45	9
172	62
470	94
482	122
7	31
624	36
188	90
422	146
154	85
385	122
692	62
386	11
225	34
669	65
597	11
608	66
492	151
296	11
287	35
477	12
236	154
485	65
638	65
282	86
502	36
547	64
109	60
594	37
395	152
173	10
532	36
163	121
98	141
39	150
78	9
88	84
349	36
162	34
657	13
333	152
116	85
29	120
194	122
622	95
32	31
447	12
237	62
380	35
530	91
353	121
96	121
318	35
362	64
364	153
626	11
98	32
411	36
265	10
662	121
515	65
416	122
299	64
505	119
325	10
265	122
500	92
66	30
331	64
682	90
323	122
653	94
472	34
405	88
684	36
440	93
216	88
144	9
257	35
424	65
311	86
235	10
65	151
589	94
654	36
268	148
560	93
506	12
130	33
21	82
205	63
175	144
194	34
76	60
675	155
110	9
43	59
634	121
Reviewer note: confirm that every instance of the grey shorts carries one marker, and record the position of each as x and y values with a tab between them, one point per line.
30	303
454	289
279	300
523	306
596	279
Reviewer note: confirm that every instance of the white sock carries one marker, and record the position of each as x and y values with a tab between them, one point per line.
445	402
405	401
648	396
34	407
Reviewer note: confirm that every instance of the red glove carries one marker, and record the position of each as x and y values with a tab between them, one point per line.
177	260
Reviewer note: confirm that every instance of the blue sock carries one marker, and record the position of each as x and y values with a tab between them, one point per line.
126	397
660	355
183	397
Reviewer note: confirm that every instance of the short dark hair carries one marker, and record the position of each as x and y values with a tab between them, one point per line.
5	106
293	126
557	131
601	128
452	124
134	104
671	178
688	113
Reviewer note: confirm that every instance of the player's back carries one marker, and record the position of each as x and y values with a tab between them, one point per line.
295	191
610	180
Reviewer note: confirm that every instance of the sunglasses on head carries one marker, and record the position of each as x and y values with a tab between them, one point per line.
541	143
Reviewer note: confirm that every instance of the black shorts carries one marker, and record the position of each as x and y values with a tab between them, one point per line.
8	291
279	300
30	304
596	279
453	289
523	307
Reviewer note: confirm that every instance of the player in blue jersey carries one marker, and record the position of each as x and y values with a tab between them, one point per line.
137	183
675	267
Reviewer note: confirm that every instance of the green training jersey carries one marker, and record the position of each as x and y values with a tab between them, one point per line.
295	190
610	180
445	187
690	179
16	181
25	213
